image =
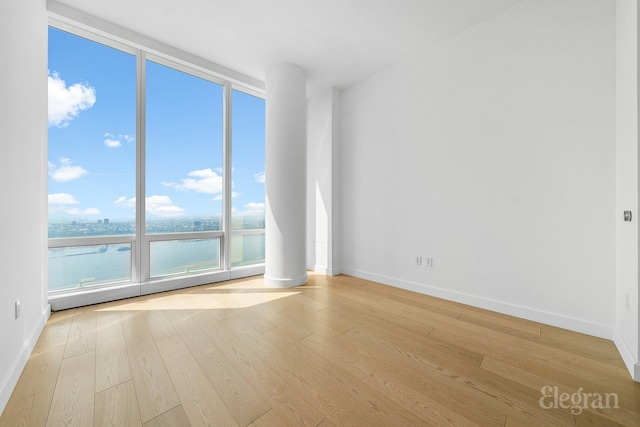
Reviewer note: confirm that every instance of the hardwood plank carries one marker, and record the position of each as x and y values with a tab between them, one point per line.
254	319
613	416
336	351
278	320
31	400
591	419
200	401
326	423
429	382
572	378
269	419
516	374
378	290
305	318
597	349
362	313
497	320
112	359
82	334
351	289
244	403
386	375
505	327
487	390
544	372
175	417
56	331
421	343
513	422
483	341
159	324
512	345
73	399
117	406
286	398
154	389
334	319
335	388
311	303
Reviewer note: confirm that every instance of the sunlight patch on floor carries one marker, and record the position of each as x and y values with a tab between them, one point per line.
201	301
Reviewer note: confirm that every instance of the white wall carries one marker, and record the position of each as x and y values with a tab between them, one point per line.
626	326
493	153
323	181
23	183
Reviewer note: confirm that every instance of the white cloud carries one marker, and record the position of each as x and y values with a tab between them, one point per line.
123	202
115	141
59	201
163	207
112	143
89	211
66	103
252	208
62	199
65	172
259	177
205	181
160	206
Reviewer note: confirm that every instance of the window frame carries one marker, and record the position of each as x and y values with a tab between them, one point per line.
141	282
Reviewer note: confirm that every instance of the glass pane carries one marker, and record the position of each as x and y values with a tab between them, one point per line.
183	152
247	250
92	128
184	256
85	266
248	131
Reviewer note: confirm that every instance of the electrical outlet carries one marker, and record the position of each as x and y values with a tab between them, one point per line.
428	262
418	260
17	308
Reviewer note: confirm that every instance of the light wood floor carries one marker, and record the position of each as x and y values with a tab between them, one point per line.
338	351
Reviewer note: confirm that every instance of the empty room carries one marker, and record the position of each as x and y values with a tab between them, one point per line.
319	213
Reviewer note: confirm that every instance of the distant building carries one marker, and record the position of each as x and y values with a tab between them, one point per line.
106	221
99	221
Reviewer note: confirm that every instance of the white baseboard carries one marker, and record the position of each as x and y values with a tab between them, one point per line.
553	319
68	300
9	383
627	355
326	270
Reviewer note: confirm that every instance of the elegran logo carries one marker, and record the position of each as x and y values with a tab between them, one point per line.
578	401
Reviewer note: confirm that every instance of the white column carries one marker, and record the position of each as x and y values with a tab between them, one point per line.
285	173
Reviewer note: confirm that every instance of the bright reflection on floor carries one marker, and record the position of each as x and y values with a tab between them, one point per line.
241	294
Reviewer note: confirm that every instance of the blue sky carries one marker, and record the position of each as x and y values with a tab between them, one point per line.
92	131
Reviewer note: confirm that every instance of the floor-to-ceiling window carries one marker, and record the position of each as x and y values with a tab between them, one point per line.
92	161
156	168
247	213
183	171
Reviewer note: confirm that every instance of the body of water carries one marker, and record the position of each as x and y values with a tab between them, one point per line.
86	266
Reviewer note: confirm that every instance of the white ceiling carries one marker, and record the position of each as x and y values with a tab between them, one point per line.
337	42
